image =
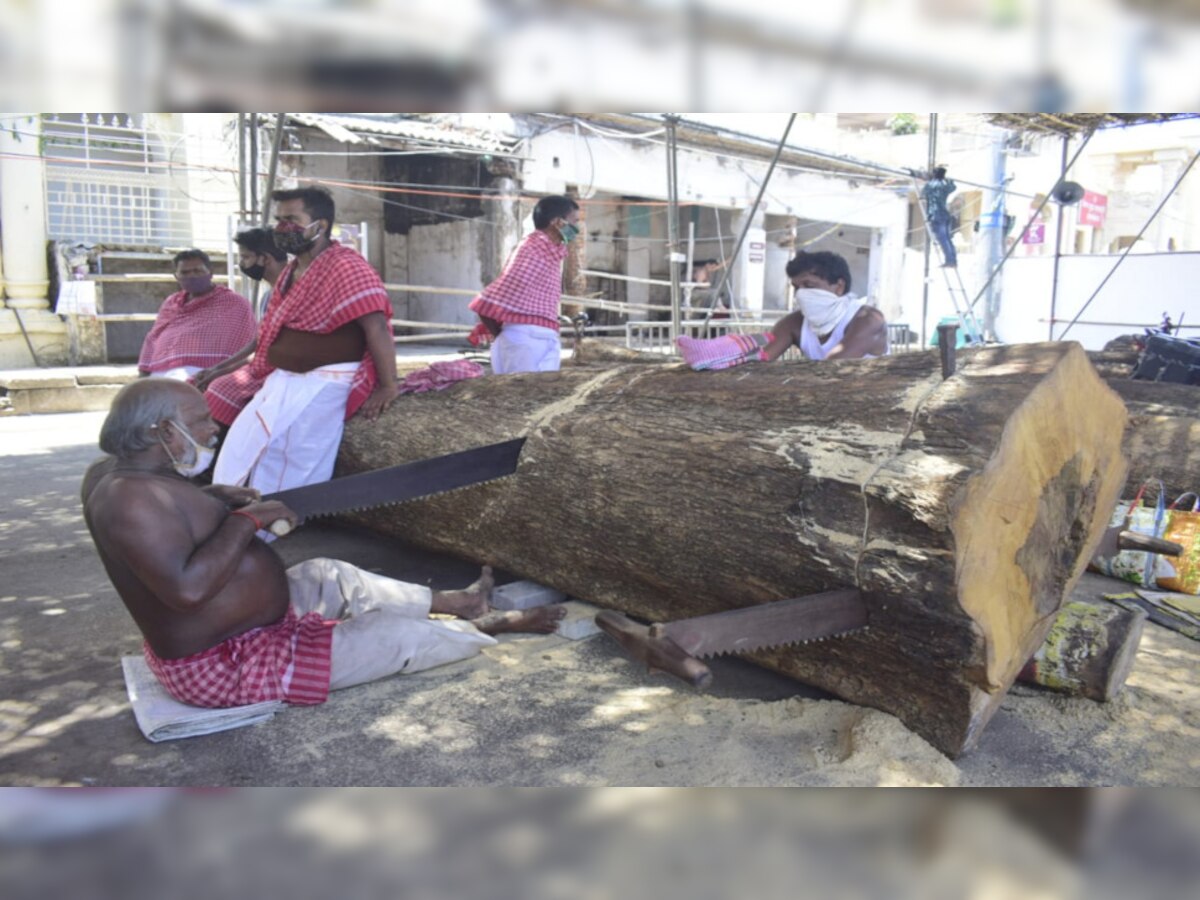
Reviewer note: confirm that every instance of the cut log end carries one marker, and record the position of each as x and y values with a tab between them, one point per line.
1027	525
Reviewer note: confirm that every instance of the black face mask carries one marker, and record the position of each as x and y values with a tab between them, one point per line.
291	237
256	271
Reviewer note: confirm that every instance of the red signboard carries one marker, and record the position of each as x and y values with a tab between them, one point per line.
1092	209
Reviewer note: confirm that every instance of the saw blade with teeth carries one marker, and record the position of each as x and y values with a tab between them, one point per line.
815	617
403	483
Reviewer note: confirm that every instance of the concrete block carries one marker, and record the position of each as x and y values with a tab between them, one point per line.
524	595
119	375
579	622
33	379
65	399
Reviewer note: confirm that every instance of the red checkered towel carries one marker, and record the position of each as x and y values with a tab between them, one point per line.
724	351
200	332
339	287
439	376
251	667
530	287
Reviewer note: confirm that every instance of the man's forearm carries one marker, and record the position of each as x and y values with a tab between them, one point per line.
382	347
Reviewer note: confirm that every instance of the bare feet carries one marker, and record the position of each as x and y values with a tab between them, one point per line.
539	620
469	603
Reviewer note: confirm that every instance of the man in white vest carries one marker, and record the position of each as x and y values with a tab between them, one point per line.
829	322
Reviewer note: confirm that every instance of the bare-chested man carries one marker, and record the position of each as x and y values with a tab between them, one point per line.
224	623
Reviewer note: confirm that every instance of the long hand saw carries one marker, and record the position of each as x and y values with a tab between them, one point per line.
673	647
398	484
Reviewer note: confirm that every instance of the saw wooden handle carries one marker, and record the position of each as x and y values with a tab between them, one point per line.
280	527
659	653
1131	540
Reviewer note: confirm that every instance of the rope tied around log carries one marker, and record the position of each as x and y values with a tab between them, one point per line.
937	380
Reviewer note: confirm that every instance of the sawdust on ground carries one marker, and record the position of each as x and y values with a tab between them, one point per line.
579	713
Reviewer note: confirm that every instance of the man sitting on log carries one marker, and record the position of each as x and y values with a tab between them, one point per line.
829	322
325	352
224	623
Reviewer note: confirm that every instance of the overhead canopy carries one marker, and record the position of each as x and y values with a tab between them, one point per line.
1077	123
434	132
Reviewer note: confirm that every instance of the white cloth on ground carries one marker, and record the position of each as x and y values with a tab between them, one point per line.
179	373
813	347
288	434
385	627
526	348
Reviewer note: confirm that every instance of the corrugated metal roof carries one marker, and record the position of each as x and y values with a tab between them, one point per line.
1073	123
430	130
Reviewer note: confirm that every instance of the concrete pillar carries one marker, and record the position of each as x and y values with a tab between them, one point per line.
502	214
574	281
23	214
749	277
25	319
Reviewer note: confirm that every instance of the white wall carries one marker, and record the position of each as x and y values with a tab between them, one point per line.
638	168
444	255
1135	297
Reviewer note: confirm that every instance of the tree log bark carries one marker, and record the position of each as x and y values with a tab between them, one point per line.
962	509
1162	439
1089	650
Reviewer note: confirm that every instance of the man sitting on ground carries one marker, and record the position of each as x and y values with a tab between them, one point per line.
224	623
197	326
829	322
229	385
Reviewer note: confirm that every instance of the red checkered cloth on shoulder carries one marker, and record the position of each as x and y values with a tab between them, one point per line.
339	287
250	667
530	287
201	332
228	394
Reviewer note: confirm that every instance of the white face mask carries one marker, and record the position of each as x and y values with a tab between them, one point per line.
822	309
202	457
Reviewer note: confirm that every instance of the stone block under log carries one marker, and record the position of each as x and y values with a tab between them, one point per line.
963	509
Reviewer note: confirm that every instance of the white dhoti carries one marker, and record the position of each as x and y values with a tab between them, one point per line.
526	348
288	434
384	627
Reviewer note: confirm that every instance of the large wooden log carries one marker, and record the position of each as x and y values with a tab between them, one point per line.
963	509
1162	439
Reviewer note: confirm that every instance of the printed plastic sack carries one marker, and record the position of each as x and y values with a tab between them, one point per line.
1181	573
1135	566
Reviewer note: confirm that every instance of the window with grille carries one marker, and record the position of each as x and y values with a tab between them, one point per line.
109	180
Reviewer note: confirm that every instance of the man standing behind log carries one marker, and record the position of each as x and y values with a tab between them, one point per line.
325	350
520	308
198	325
224	623
829	322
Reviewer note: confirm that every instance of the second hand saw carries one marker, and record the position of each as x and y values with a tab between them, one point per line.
673	647
397	484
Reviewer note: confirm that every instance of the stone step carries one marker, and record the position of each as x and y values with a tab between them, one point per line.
81	389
